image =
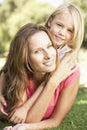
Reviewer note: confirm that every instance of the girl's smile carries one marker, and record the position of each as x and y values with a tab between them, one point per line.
62	28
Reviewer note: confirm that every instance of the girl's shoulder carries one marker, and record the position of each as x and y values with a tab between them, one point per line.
62	51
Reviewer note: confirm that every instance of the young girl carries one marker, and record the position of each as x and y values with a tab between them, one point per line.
66	27
63	33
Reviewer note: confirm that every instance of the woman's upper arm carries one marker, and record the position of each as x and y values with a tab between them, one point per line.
65	101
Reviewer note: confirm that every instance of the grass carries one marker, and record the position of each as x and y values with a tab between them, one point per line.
76	119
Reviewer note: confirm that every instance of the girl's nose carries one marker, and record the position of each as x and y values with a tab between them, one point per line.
62	31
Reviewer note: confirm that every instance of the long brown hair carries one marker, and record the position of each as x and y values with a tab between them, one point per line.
17	69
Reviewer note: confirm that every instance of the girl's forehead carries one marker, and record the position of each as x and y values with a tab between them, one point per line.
64	11
65	17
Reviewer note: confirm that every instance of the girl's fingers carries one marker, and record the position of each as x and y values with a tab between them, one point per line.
2	109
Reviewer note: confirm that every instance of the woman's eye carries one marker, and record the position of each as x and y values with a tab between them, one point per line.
50	46
38	51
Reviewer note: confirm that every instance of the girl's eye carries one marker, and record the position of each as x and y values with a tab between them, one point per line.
59	25
69	30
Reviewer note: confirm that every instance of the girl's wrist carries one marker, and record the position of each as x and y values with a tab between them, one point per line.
54	81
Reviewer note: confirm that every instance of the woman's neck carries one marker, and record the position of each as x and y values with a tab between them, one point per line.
38	79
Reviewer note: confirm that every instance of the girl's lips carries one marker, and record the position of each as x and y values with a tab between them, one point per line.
58	40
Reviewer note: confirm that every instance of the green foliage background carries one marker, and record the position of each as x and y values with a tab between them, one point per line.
15	13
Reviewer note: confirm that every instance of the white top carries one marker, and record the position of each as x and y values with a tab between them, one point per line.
62	51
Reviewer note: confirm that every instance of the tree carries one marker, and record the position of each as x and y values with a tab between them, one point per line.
15	13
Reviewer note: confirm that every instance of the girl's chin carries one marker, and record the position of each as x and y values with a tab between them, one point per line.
58	44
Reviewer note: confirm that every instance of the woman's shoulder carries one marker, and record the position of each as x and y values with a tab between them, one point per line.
72	78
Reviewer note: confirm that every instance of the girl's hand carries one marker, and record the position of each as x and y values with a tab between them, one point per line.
67	66
19	115
2	105
64	69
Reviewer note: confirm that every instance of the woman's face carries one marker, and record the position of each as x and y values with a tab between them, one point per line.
42	54
62	28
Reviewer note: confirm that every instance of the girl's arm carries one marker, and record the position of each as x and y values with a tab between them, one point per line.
19	114
63	106
42	103
43	98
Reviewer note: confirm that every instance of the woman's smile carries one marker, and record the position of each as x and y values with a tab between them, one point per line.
49	63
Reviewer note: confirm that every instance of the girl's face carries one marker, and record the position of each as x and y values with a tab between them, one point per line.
42	54
62	28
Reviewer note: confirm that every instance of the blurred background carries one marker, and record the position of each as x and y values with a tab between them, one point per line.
15	13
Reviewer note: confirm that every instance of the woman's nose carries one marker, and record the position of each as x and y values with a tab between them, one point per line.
47	55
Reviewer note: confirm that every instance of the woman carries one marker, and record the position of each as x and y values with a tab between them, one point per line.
30	72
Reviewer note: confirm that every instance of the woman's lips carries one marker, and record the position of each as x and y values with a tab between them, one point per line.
49	63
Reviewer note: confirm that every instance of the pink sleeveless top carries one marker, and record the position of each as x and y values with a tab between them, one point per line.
66	83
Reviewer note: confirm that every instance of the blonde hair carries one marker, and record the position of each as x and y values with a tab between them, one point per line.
77	39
